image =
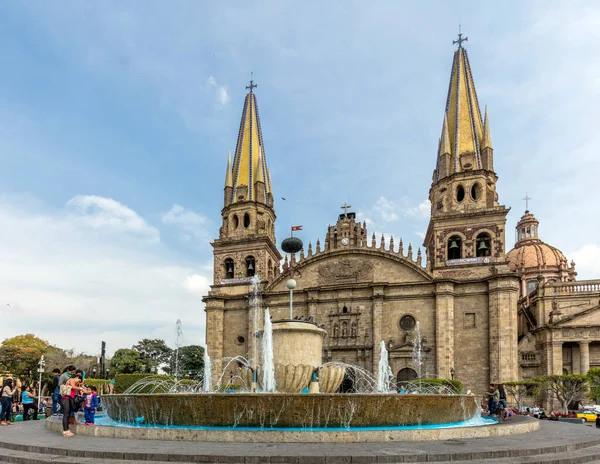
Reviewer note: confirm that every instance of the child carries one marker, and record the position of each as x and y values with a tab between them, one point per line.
90	405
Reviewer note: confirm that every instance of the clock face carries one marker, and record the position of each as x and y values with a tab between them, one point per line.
345	241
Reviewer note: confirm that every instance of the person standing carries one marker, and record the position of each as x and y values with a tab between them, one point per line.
502	397
56	391
68	393
28	401
6	397
490	397
90	405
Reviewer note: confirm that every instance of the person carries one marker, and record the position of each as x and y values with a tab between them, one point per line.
67	374
56	391
502	397
6	397
490	394
496	399
598	421
90	404
28	401
69	392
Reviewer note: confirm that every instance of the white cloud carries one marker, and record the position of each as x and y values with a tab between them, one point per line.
105	213
386	209
192	225
222	95
77	286
422	210
587	261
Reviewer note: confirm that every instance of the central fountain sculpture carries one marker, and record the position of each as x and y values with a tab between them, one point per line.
295	388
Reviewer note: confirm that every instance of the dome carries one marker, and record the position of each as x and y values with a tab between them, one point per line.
534	254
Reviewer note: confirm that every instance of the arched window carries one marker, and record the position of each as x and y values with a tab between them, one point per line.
246	220
250	266
236	221
345	309
475	191
407	374
229	268
454	247
483	245
460	193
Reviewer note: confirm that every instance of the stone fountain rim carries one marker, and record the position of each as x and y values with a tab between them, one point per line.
310	395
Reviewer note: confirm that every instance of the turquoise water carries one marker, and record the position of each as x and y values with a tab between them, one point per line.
477	421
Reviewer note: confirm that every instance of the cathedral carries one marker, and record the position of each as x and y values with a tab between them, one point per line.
481	313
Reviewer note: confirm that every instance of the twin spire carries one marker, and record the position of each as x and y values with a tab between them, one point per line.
465	136
248	177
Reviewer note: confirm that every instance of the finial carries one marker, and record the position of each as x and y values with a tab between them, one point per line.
401	247
252	84
527	198
460	38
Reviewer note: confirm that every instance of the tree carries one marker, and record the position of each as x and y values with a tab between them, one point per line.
20	355
564	388
593	377
520	390
126	361
191	361
154	352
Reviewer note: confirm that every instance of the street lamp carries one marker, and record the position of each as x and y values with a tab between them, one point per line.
94	370
40	370
452	373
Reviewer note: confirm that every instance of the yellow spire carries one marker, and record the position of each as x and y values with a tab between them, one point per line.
228	174
462	117
445	143
247	164
487	137
269	186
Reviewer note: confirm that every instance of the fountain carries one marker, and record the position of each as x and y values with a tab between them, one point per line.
290	387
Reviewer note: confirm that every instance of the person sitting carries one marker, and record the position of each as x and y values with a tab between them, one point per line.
28	400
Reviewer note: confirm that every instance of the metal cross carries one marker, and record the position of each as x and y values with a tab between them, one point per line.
346	207
252	84
527	198
460	39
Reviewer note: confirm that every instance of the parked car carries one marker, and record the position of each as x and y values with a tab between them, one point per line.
588	414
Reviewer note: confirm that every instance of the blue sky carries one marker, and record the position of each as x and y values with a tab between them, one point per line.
116	119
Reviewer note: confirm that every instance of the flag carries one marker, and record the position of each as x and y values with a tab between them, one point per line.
296	228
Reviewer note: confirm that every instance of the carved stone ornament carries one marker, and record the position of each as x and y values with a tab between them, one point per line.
346	270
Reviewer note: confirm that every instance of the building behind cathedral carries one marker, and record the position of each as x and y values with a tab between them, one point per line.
485	314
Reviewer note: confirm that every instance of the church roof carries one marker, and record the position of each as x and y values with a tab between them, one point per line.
463	130
249	167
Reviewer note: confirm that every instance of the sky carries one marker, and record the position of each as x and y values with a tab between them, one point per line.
116	118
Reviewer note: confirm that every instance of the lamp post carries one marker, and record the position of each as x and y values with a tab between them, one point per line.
452	373
40	370
291	245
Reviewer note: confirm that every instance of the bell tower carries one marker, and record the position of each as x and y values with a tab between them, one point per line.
246	243
467	223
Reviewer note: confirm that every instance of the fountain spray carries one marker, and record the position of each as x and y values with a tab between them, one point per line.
207	381
268	368
384	375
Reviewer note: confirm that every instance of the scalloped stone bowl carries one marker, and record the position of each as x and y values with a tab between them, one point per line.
330	378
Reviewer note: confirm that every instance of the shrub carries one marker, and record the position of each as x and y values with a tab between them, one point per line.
124	381
455	385
100	384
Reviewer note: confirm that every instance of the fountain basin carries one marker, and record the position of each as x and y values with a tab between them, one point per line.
290	410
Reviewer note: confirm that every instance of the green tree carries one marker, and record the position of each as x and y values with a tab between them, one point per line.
520	390
154	352
593	377
191	361
564	388
20	355
126	361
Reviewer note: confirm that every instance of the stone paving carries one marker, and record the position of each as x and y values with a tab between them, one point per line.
32	443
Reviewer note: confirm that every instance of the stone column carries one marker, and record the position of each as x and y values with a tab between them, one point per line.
584	357
557	361
503	347
214	335
444	328
378	294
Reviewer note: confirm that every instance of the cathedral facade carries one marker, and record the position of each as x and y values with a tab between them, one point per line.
480	313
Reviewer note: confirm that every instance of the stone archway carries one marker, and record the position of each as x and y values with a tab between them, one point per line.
407	374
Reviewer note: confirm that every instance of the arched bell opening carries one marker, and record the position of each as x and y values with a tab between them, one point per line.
483	245
454	247
250	266
229	268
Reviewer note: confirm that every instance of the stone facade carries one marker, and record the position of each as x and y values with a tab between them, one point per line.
464	298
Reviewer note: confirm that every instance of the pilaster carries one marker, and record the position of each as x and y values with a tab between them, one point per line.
584	357
378	295
444	331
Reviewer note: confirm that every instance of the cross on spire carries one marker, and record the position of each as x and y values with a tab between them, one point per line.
527	198
460	38
346	207
252	84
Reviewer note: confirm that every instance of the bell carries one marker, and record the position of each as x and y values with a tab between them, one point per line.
482	246
250	266
230	269
453	245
